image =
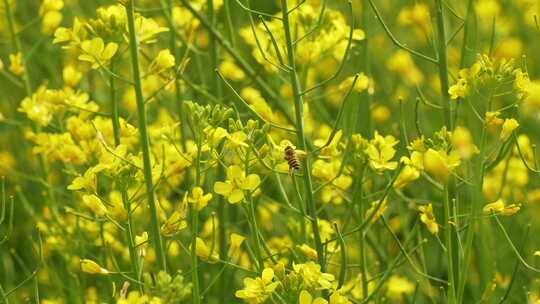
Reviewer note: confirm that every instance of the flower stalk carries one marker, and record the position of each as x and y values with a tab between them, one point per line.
145	141
443	66
301	137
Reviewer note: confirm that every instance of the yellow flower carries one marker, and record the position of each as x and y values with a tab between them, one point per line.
198	198
87	182
428	218
96	53
499	207
257	290
94	203
462	141
397	286
362	83
146	29
134	297
204	252
508	127
308	251
307	298
237	139
406	176
380	151
312	277
92	267
50	21
16	64
174	223
215	135
459	90
492	119
71	76
36	109
237	182
231	71
440	163
235	241
164	60
337	298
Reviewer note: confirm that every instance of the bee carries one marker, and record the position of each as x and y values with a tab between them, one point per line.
292	159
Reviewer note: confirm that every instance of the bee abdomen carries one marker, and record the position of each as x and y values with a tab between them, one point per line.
294	163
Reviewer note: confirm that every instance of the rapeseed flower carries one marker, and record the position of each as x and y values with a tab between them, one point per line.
237	182
257	290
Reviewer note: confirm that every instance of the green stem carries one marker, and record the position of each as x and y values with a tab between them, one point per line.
114	109
3	295
115	116
145	141
255	231
195	229
301	137
443	66
449	251
358	196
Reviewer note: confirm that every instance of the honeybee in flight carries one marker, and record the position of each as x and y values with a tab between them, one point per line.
292	159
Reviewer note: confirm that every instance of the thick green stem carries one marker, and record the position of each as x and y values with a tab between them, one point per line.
145	141
449	248
301	137
443	67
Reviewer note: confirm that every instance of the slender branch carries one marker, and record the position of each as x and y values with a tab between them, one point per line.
394	39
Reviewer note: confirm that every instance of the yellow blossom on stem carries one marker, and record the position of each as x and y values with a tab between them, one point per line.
380	152
204	252
97	53
257	290
499	207
164	60
237	182
308	251
92	267
440	163
71	76
95	204
508	127
306	298
407	175
198	198
16	64
428	218
313	277
174	223
492	119
459	90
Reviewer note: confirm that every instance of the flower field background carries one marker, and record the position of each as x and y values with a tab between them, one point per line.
269	151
